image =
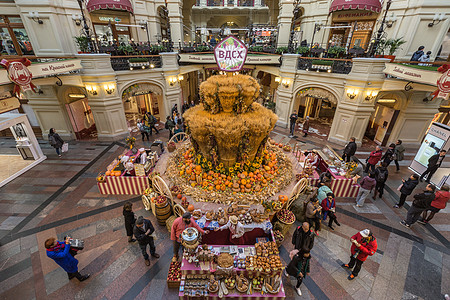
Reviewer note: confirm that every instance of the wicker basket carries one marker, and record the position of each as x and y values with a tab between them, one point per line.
169	222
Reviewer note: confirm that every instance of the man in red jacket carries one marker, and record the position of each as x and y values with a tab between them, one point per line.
364	244
373	159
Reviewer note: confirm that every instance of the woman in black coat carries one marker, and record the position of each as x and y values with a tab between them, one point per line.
299	268
407	188
55	141
130	219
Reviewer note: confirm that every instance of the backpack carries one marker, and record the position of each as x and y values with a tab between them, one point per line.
52	140
381	175
154	121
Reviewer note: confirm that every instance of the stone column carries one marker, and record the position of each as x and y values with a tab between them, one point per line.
284	94
50	112
176	21
352	115
154	29
172	91
284	22
108	111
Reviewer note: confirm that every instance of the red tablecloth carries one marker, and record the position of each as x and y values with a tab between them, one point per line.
224	237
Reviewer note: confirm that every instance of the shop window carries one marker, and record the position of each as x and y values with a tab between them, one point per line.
14	39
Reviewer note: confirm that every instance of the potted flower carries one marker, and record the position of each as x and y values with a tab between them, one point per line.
393	45
303	51
335	51
82	43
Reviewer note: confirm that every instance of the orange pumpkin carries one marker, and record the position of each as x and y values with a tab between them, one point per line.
192	177
210	188
198	168
108	173
283	198
248	185
190	208
228	177
118	173
218	187
188	171
179	196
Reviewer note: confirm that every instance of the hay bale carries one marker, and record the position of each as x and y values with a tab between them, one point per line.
299	205
169	223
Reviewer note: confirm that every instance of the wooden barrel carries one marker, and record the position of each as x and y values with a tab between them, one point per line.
163	212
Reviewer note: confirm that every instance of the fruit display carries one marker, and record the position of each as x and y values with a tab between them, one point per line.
286	216
279	237
272	205
257	283
242	283
184	202
287	148
245	219
272	283
159	200
174	274
230	282
225	260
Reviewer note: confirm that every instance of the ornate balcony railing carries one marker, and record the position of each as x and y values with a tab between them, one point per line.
135	62
330	65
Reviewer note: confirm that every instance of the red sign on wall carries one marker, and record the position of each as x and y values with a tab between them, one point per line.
19	74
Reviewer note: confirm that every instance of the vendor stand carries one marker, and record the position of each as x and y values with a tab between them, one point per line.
327	160
235	272
127	175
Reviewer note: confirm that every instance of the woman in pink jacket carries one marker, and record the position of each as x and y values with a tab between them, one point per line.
439	202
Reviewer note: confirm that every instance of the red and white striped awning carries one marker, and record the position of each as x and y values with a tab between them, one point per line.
109	4
370	5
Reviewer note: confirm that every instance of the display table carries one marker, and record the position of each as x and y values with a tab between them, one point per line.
340	185
126	184
208	268
252	232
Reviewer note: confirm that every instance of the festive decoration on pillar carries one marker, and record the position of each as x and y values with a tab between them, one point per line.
443	83
19	74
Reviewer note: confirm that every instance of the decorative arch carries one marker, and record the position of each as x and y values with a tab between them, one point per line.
126	85
328	88
399	96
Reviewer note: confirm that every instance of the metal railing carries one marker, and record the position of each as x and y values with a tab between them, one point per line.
135	62
330	65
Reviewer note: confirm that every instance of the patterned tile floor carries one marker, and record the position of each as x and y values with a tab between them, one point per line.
59	197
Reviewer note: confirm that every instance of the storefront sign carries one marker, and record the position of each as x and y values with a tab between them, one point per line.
412	74
46	69
57	67
353	15
9	104
443	84
230	54
19	74
110	19
251	59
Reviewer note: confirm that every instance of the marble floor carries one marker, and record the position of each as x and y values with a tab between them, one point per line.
11	164
59	197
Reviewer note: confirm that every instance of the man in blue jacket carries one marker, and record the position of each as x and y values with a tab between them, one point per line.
59	252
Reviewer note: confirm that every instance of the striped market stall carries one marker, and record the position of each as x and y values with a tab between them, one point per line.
123	185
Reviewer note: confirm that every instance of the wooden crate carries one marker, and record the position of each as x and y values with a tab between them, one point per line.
173	284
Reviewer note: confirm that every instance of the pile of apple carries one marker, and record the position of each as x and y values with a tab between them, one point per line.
258	282
174	271
230	282
286	216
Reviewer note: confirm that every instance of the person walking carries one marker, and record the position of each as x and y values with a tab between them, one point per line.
350	150
142	129
373	159
439	202
420	203
143	230
150	122
329	209
174	109
170	125
303	237
299	267
434	163
313	210
399	153
389	156
60	253
418	54
306	126
293	120
381	175
407	188
366	186
178	226
55	141
364	244
130	220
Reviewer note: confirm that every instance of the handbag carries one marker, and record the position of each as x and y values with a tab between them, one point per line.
400	187
65	147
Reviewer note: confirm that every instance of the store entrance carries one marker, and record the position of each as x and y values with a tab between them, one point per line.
82	120
382	121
